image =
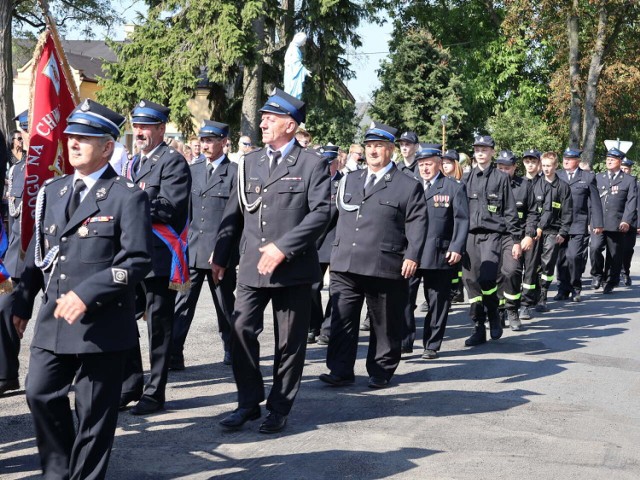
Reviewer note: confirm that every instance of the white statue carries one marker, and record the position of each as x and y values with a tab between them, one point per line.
294	71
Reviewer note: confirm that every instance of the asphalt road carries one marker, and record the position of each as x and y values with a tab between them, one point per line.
556	401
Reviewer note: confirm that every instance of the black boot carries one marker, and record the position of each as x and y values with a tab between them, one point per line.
495	325
479	335
542	304
514	320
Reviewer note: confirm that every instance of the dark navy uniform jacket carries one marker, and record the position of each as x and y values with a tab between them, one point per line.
492	207
528	216
325	242
619	200
208	201
561	208
12	260
104	252
166	180
293	213
447	222
542	196
388	226
587	208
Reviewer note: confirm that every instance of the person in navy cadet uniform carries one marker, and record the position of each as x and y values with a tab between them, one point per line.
631	235
587	214
492	215
279	210
320	324
13	262
557	231
213	179
90	248
409	144
163	174
447	228
531	258
510	277
382	220
618	194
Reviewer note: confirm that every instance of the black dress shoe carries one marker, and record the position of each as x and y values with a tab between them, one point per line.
406	349
335	380
8	385
127	398
176	363
626	279
274	423
596	283
322	340
311	337
240	416
377	382
561	296
608	288
147	406
227	358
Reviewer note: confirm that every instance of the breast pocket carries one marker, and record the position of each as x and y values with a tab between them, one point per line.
291	195
97	245
389	209
494	203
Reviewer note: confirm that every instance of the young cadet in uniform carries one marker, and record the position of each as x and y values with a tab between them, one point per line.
493	215
163	174
618	193
409	144
531	258
91	246
382	219
280	210
9	341
212	181
320	324
510	277
557	231
447	228
587	212
631	235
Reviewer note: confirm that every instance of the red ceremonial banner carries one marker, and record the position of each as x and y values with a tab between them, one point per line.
52	102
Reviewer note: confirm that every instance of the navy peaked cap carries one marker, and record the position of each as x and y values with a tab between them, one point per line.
483	141
506	157
150	113
627	162
410	137
451	154
92	119
380	132
615	153
572	153
282	103
210	128
428	150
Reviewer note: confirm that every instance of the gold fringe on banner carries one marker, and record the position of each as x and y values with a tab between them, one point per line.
6	287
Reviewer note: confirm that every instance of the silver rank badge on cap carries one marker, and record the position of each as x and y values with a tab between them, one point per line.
120	275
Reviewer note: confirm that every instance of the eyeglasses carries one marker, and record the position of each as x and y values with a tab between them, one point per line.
247	144
18	139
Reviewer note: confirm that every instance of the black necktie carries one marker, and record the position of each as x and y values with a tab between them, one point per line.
570	176
78	187
141	163
370	183
427	185
275	156
209	170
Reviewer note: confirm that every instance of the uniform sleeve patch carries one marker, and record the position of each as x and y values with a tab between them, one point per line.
120	275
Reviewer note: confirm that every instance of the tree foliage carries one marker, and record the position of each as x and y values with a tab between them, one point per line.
418	85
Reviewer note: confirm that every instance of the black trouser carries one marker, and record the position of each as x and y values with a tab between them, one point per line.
223	300
629	245
98	378
409	325
480	272
291	307
9	340
320	322
509	277
161	303
571	256
386	301
437	287
548	259
531	274
614	242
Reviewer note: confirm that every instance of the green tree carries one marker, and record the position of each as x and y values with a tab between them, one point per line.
418	85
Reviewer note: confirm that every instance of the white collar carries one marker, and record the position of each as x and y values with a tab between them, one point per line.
91	179
380	173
